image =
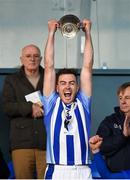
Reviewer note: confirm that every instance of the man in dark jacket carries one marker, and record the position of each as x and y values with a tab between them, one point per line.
115	130
27	133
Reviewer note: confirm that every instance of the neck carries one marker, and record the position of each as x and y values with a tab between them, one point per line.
32	73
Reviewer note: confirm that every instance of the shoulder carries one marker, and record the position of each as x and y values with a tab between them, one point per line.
50	101
12	77
112	118
84	100
82	96
107	122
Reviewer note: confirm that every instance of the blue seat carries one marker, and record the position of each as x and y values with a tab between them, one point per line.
11	168
95	173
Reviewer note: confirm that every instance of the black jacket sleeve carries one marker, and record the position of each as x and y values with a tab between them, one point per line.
13	103
113	138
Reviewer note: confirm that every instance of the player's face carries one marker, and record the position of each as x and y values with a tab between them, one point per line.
67	87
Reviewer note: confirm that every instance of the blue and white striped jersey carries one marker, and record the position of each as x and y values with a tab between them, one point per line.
67	146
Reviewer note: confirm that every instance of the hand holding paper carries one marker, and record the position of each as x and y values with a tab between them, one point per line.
37	109
34	97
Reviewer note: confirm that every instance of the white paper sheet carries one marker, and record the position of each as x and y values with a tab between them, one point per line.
34	97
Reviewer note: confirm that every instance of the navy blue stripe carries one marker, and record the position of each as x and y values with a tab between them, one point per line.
70	149
56	145
49	171
81	136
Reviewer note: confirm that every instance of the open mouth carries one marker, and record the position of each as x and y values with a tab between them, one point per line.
67	94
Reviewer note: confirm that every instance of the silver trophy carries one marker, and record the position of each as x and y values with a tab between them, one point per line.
69	25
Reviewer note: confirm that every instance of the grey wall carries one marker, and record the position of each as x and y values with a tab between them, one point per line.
111	35
25	21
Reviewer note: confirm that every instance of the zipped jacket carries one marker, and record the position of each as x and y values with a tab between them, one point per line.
26	132
115	146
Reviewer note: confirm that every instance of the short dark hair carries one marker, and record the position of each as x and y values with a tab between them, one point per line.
123	87
66	71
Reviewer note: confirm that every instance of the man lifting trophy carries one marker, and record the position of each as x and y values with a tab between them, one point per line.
67	105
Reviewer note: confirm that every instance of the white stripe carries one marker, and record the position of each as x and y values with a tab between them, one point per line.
53	122
63	146
77	146
84	125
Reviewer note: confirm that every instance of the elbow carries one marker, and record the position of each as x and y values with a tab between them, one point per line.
48	64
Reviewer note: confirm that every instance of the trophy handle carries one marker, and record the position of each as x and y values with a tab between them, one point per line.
80	25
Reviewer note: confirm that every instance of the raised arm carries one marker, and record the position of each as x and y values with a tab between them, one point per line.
86	71
49	70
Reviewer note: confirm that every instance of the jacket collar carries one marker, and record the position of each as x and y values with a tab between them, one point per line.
118	111
23	72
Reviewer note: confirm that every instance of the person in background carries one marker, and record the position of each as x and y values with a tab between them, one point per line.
67	111
95	144
27	132
116	140
4	170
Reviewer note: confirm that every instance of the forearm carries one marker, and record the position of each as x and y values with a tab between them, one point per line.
49	70
86	71
49	52
113	144
88	52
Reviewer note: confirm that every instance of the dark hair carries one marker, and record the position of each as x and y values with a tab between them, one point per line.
66	71
123	87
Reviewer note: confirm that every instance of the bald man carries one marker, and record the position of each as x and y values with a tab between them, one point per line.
27	133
